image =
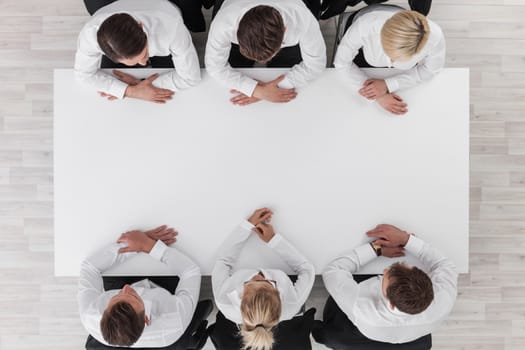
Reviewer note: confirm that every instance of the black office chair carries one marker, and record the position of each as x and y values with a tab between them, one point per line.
195	336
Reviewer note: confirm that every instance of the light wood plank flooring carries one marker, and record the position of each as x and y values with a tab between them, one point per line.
38	311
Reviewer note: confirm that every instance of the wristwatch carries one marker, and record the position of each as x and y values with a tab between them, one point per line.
376	247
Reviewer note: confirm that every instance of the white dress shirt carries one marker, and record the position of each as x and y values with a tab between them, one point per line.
228	286
166	34
169	314
367	307
365	33
301	28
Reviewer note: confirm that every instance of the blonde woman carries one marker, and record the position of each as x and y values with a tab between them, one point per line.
258	299
389	36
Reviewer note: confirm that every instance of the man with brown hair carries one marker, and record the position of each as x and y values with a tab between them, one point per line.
276	33
130	33
404	304
142	314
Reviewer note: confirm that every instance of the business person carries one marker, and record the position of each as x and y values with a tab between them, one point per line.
130	33
389	36
258	299
142	314
405	303
277	33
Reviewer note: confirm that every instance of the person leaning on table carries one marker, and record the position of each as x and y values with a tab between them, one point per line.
258	299
388	36
142	314
278	33
405	303
129	32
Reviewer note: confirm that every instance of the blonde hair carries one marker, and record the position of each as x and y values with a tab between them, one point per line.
260	311
404	35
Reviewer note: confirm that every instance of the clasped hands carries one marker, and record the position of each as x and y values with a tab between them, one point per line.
143	241
261	220
391	239
376	89
140	89
269	91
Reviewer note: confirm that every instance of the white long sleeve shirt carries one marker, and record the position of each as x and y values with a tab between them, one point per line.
228	286
169	314
365	33
301	28
366	306
166	34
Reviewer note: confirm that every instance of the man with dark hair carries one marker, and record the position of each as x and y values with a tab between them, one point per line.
142	314
127	33
404	304
276	33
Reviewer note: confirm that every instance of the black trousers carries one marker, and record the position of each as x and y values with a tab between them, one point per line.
194	338
287	57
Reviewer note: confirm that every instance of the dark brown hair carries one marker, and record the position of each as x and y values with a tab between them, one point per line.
121	325
260	33
121	36
410	289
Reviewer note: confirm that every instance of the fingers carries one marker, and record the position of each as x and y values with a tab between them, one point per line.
157	229
108	96
278	79
125	250
243	100
286	95
120	74
233	91
152	77
368	82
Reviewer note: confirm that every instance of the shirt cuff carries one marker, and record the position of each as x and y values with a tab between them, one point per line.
365	254
392	84
275	241
118	88
285	84
248	86
414	245
158	250
248	226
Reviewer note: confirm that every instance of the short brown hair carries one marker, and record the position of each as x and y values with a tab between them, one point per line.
121	325
121	36
260	33
409	289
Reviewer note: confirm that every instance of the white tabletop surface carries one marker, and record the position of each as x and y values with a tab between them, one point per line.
330	164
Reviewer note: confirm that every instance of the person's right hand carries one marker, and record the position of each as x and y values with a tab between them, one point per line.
393	103
260	215
389	236
145	90
392	252
264	231
270	91
136	241
163	233
126	78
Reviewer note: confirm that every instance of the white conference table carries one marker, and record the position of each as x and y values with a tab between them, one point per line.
330	164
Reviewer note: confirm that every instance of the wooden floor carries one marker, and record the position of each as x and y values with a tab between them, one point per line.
38	311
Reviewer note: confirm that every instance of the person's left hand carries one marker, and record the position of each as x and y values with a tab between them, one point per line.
137	241
109	97
373	88
126	78
241	99
392	252
163	233
264	231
